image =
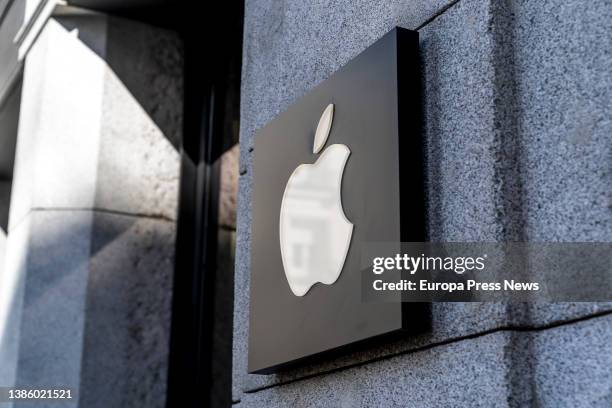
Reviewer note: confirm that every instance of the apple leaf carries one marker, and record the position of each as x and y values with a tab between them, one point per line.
323	128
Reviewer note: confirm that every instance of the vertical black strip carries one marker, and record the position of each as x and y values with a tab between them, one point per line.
415	316
411	153
212	36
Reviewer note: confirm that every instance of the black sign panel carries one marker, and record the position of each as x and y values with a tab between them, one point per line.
341	167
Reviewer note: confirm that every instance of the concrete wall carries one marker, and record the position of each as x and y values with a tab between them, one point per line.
87	286
517	124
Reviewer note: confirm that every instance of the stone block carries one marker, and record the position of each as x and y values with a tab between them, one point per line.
12	277
563	125
241	285
138	162
100	118
54	266
562	366
88	300
127	313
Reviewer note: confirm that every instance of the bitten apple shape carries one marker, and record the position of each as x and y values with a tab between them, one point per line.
315	235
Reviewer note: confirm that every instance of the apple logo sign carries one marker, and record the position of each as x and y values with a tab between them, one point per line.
315	235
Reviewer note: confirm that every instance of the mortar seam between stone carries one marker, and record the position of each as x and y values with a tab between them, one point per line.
159	217
437	14
501	329
6	10
108	211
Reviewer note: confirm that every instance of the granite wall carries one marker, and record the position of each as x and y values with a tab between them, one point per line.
517	123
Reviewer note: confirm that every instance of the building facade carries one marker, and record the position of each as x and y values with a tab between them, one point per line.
516	121
126	211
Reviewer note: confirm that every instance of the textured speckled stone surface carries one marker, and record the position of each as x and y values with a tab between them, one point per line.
241	285
229	187
95	314
12	279
141	120
563	83
53	264
100	115
547	368
516	119
289	47
127	325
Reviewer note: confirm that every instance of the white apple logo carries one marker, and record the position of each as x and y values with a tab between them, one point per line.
315	235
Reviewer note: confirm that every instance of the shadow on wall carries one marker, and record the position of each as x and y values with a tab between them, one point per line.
148	104
129	50
122	278
98	284
9	118
12	16
127	319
